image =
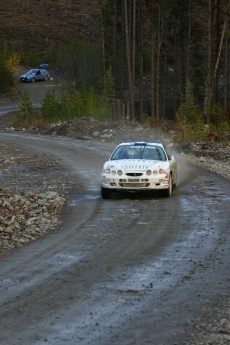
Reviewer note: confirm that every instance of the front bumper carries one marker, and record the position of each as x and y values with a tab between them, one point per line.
135	183
25	80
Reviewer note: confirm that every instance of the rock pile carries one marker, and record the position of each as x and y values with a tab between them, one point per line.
25	217
212	156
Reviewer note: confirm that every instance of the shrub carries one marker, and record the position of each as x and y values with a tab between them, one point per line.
26	106
12	63
50	107
216	114
6	77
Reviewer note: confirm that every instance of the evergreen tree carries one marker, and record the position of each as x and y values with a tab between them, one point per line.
188	111
26	107
50	107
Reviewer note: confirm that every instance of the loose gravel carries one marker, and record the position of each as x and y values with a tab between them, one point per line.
34	190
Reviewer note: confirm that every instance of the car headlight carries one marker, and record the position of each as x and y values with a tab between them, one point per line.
155	172
163	171
148	172
119	172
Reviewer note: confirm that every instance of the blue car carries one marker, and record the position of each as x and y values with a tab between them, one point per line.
35	74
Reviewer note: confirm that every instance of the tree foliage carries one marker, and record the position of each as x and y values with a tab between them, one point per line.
26	107
6	76
50	107
188	112
75	103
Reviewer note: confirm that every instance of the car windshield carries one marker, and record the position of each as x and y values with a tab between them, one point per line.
148	152
31	71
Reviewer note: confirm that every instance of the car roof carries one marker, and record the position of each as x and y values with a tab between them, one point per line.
141	143
37	69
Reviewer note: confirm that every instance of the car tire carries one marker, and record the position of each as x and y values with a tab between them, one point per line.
33	80
105	193
175	181
168	192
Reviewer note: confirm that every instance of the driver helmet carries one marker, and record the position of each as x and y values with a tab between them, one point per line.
131	152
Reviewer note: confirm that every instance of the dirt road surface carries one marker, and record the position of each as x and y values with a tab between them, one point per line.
134	270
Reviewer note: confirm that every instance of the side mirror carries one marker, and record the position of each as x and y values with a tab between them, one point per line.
170	157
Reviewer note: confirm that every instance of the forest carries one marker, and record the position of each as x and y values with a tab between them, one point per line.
157	48
152	60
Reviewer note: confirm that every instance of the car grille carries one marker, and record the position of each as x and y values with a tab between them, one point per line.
134	174
134	183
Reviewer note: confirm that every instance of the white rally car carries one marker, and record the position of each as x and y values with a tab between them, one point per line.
139	166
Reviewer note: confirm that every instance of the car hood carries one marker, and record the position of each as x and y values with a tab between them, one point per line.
135	164
27	75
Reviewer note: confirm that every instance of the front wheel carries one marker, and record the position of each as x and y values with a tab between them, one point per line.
174	182
33	80
168	192
105	193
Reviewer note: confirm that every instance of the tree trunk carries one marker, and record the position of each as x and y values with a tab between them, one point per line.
158	65
103	45
128	54
152	77
226	77
210	81
188	58
140	54
114	48
220	47
134	46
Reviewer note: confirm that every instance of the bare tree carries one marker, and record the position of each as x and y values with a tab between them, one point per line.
140	56
155	47
134	45
226	59
210	78
188	57
158	61
152	75
129	61
226	74
220	46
